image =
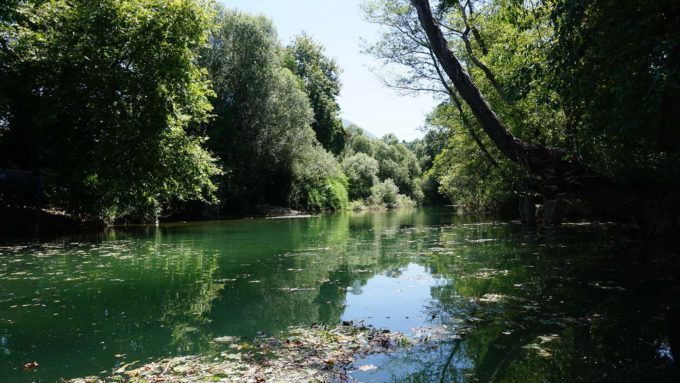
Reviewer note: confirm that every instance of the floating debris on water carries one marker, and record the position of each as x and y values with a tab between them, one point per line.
314	354
488	273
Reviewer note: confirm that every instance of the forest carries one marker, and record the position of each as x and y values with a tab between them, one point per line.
130	111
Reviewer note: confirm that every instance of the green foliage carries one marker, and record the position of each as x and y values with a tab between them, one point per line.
318	183
362	173
426	150
616	66
598	80
332	196
400	165
392	159
106	100
262	131
384	193
359	142
357	205
404	202
320	80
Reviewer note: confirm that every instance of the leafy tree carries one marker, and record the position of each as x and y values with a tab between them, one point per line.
106	100
616	67
426	150
320	80
559	88
394	161
318	183
261	114
362	173
384	193
358	142
262	130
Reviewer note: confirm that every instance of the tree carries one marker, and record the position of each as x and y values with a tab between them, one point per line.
404	44
367	161
106	100
320	80
417	48
385	193
262	130
362	173
616	66
551	164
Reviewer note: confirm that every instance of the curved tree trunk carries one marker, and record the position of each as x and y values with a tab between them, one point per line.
550	164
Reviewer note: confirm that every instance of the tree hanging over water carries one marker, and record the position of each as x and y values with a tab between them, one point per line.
576	93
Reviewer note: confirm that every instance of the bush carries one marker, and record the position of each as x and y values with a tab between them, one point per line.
331	196
336	193
362	173
318	183
357	205
405	202
384	193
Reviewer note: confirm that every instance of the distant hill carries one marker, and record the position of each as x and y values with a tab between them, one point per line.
346	123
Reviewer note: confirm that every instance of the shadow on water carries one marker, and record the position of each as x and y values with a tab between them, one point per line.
514	306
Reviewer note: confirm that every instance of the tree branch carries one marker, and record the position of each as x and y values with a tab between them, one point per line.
463	118
550	164
468	47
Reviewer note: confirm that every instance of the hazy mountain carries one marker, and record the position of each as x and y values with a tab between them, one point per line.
346	123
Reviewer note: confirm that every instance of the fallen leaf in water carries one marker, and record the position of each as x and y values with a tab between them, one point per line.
295	356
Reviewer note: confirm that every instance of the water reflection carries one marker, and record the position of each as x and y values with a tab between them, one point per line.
517	307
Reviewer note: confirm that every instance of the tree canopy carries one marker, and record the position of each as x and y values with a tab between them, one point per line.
320	80
105	99
569	90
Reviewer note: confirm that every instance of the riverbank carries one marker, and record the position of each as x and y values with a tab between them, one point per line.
22	222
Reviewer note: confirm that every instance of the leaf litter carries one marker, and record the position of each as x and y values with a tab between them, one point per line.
301	354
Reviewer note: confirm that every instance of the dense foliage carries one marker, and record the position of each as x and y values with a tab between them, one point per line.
134	110
262	130
106	101
320	80
616	67
597	80
384	167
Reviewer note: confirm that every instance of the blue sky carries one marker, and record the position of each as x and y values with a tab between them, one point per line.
338	25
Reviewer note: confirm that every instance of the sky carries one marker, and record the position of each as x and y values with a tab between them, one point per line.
339	27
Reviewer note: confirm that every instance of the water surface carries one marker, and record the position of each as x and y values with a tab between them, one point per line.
517	305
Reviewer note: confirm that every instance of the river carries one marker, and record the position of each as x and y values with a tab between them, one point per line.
517	305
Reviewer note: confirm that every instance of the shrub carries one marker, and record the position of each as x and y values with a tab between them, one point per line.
384	193
362	173
357	205
405	202
318	183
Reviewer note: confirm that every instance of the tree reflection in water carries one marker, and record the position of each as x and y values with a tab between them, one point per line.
518	307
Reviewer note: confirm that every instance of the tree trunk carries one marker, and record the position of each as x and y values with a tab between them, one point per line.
550	164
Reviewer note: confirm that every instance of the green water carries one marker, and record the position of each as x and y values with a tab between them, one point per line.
521	306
